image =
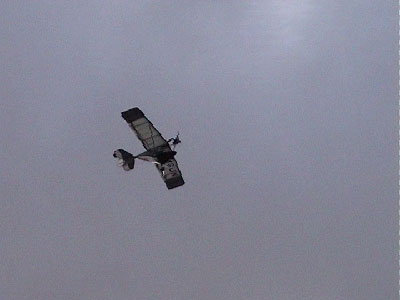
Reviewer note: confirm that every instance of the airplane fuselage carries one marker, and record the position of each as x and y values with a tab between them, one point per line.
158	155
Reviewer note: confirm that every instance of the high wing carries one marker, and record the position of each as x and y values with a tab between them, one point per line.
171	174
144	129
151	139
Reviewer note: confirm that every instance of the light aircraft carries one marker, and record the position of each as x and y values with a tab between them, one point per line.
158	151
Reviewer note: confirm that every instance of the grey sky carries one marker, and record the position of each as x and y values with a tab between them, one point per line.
288	115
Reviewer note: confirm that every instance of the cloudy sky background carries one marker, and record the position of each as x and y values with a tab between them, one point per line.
288	115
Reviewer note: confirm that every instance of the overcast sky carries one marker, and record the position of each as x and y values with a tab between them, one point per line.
288	115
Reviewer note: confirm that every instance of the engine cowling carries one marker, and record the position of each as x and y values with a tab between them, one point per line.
125	159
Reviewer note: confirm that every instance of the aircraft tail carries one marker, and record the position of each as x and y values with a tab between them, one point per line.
125	159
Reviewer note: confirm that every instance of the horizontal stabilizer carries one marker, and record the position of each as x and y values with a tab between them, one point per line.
125	159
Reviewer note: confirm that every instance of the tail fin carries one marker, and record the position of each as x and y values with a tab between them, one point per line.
125	159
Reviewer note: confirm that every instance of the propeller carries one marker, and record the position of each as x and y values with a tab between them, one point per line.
177	140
